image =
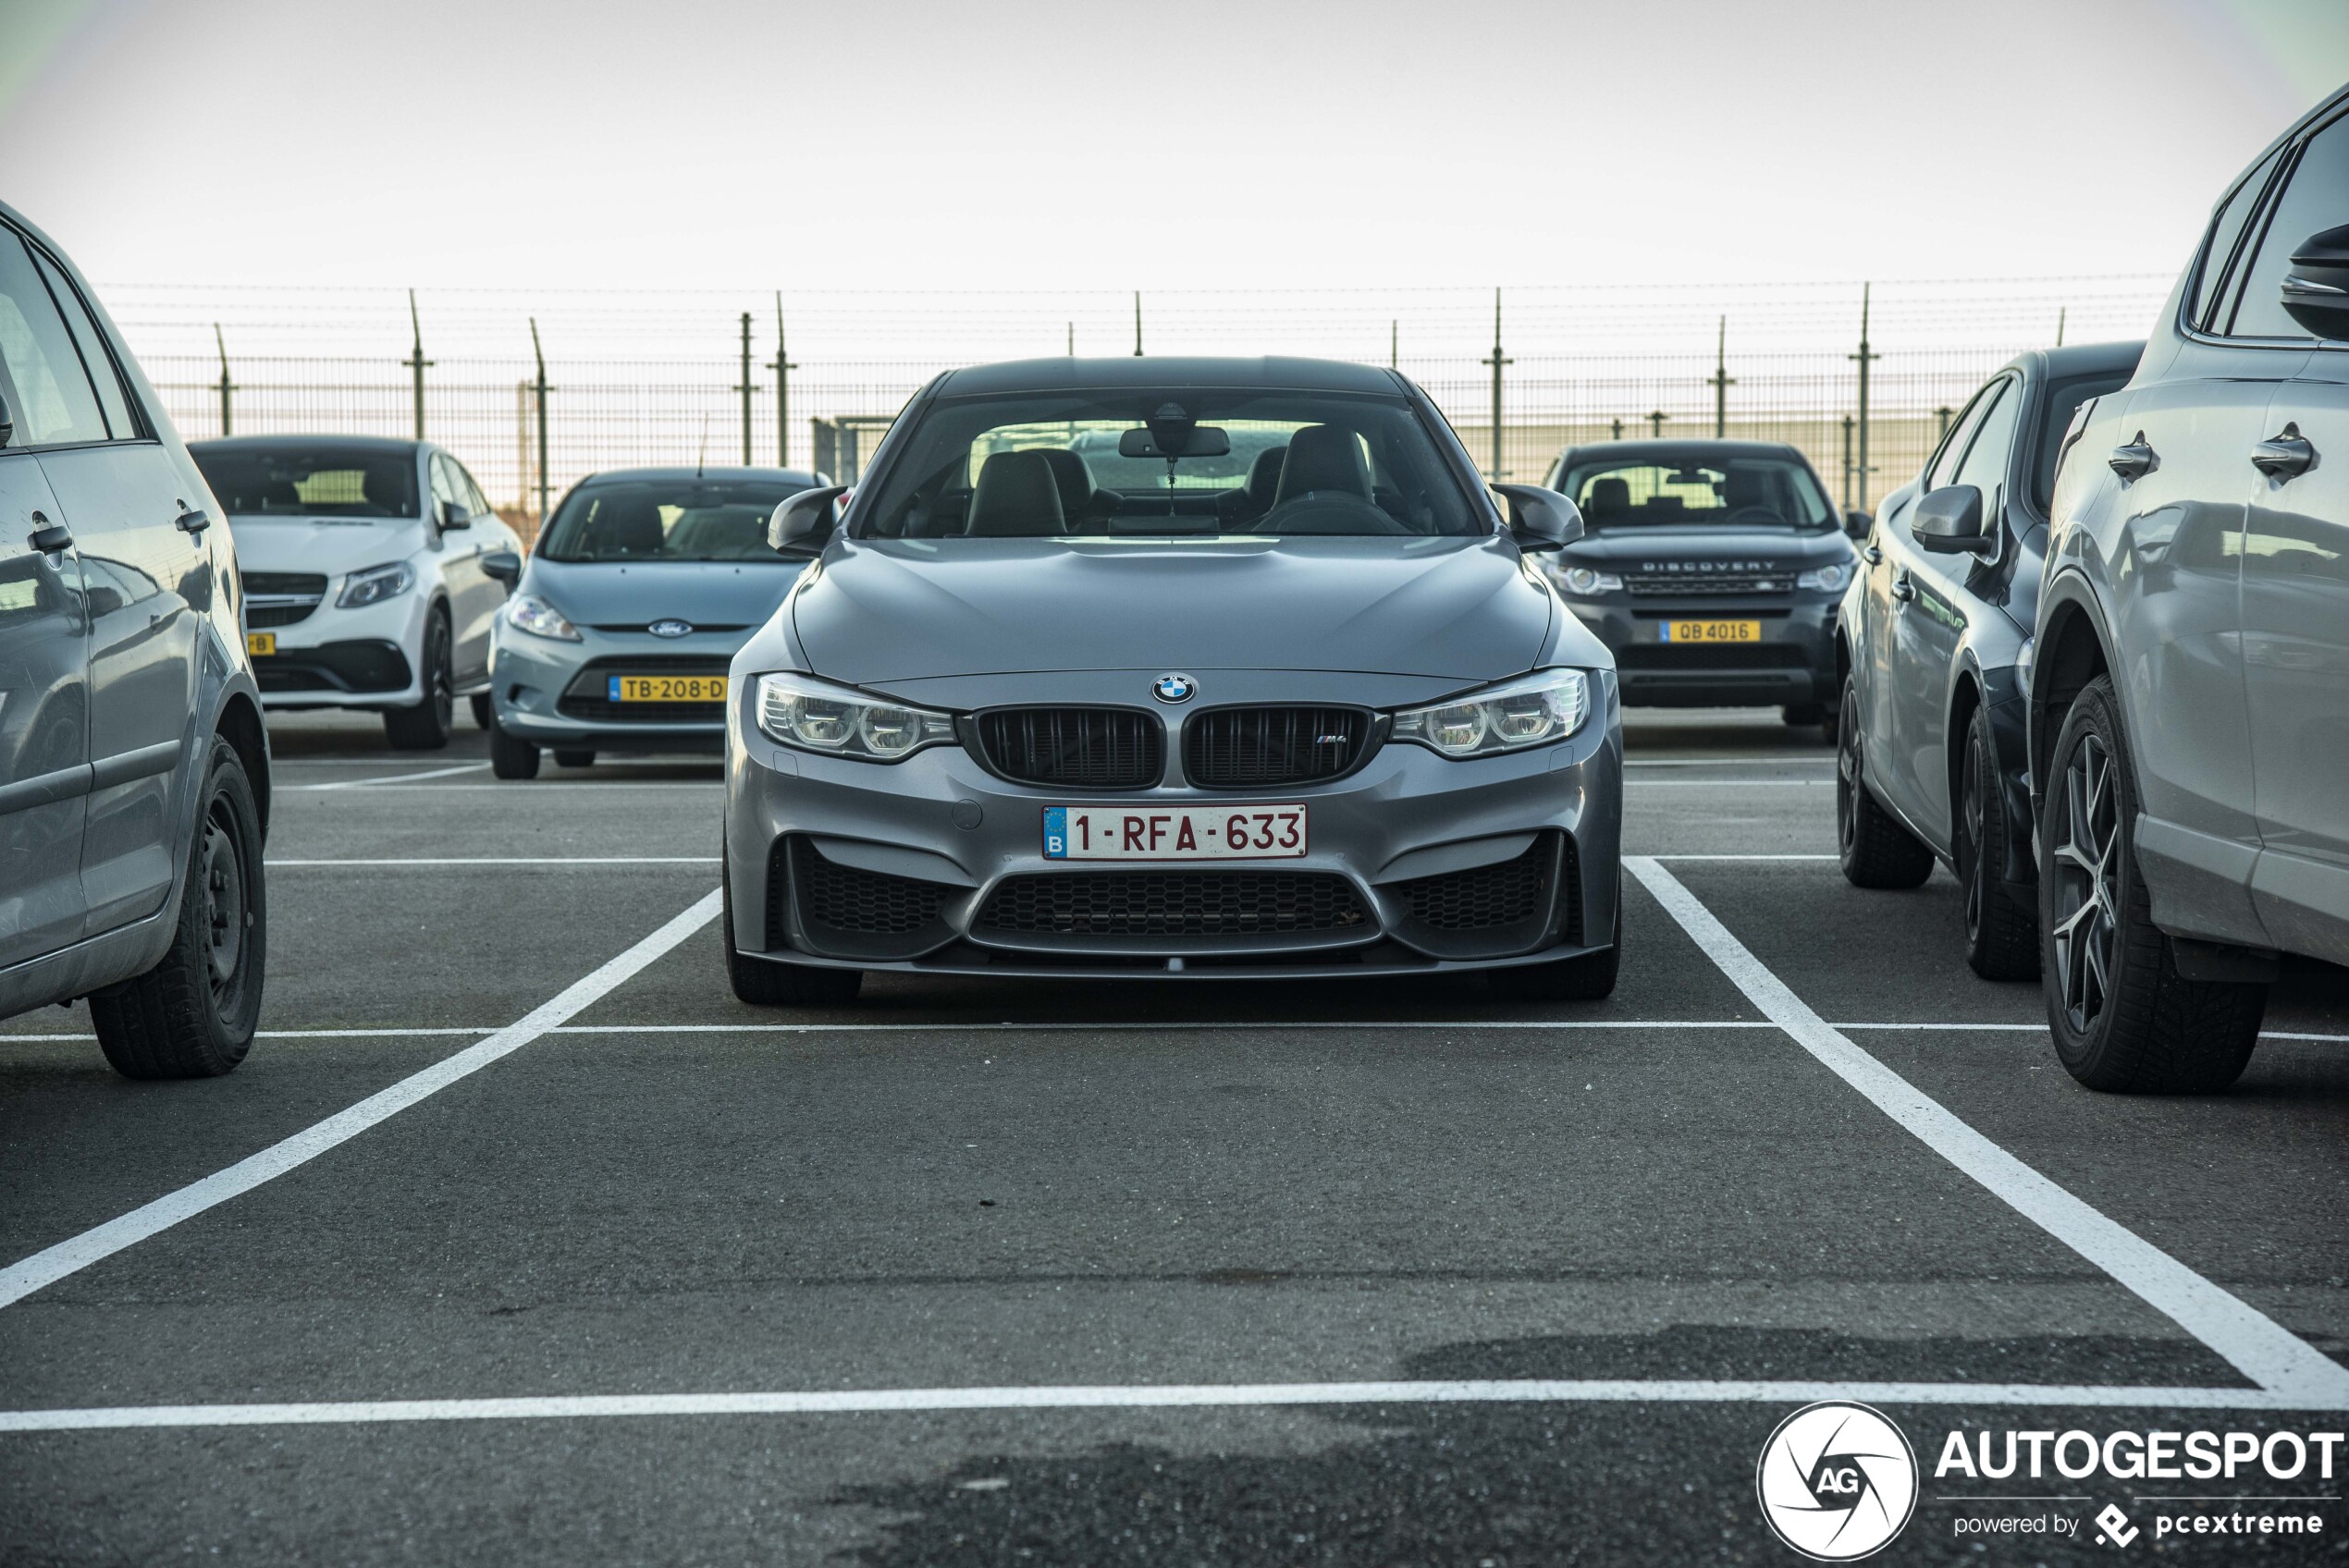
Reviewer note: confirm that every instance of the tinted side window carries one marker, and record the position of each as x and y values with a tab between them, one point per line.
2224	234
49	398
2316	197
1944	468
478	502
2063	399
1985	461
445	487
93	344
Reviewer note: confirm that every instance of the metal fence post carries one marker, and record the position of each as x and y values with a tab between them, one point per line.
2061	311
782	367
1496	361
538	354
1866	357
226	386
1941	415
747	387
1394	344
416	361
1847	462
1618	429
1137	323
1721	382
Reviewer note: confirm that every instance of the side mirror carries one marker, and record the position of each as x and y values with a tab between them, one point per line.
1948	521
2315	291
503	565
1856	523
800	524
1541	519
454	515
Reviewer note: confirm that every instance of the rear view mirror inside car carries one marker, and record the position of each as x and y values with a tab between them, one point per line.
1194	441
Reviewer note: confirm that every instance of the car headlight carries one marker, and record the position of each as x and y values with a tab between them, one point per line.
528	612
374	585
797	710
1549	705
1587	581
1828	579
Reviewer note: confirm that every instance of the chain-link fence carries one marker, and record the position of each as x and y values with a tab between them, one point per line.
637	380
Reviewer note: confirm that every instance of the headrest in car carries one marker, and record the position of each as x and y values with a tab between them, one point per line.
1016	495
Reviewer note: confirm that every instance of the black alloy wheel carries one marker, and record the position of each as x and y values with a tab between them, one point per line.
1874	848
2001	937
425	726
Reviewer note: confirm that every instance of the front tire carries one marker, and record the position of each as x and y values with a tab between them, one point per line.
425	727
763	983
192	1015
485	710
2123	1017
511	758
2001	937
1877	852
567	758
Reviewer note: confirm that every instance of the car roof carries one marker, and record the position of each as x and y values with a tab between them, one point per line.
680	472
2088	359
297	438
1066	374
1686	447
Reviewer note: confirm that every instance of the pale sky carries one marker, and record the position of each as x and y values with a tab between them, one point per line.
1272	144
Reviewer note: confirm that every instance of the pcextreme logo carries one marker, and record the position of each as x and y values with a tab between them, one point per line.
1838	1481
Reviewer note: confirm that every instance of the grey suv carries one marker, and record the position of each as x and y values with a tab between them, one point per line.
2189	706
134	770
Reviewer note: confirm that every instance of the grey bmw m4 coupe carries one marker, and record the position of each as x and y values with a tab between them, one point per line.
1172	668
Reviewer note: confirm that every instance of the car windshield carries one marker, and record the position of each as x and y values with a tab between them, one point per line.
2064	398
665	520
1249	462
310	479
1698	485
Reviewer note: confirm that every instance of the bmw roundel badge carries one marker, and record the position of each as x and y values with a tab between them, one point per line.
1174	688
670	627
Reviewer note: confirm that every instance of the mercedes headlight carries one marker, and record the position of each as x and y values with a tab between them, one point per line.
1588	582
1831	578
797	710
528	612
1547	705
374	585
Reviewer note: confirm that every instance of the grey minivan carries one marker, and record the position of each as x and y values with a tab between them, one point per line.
2190	705
134	770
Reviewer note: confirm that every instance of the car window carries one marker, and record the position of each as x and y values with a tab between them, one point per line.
100	364
49	397
445	489
479	502
665	520
1943	470
310	478
2226	233
2316	197
2063	398
1696	484
1984	465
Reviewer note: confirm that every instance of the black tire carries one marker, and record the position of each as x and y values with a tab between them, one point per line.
763	983
2001	936
484	711
1877	852
1589	978
1800	715
426	725
564	757
511	758
2123	1016
192	1015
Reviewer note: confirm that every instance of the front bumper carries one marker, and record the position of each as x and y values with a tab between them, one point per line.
547	692
333	658
1793	664
1401	850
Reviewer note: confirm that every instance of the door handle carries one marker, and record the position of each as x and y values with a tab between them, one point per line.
1873	555
1902	589
2285	456
2134	460
191	520
48	538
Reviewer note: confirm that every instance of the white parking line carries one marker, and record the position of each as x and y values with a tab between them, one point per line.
1740	857
392	777
49	1265
512	860
1151	1396
1716	784
2254	1344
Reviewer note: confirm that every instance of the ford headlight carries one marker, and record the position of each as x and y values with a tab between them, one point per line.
528	612
1547	705
797	710
1588	582
1831	578
374	585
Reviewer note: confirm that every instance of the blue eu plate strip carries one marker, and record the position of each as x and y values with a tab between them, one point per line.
614	689
1055	832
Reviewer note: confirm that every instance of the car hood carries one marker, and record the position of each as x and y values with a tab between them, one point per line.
901	609
334	545
706	594
1702	542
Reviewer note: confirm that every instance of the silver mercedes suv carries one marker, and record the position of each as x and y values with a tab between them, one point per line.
2190	705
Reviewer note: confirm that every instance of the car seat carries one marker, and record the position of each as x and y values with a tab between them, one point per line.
1018	496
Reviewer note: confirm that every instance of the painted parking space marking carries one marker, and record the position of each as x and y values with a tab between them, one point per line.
1153	1396
49	1265
393	777
507	860
2262	1349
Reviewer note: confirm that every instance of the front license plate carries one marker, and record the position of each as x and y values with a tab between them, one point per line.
1248	832
1709	631
666	689
261	645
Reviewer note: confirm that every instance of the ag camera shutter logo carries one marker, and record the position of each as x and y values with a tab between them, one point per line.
1838	1481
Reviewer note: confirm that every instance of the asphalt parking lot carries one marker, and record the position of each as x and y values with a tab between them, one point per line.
980	1272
